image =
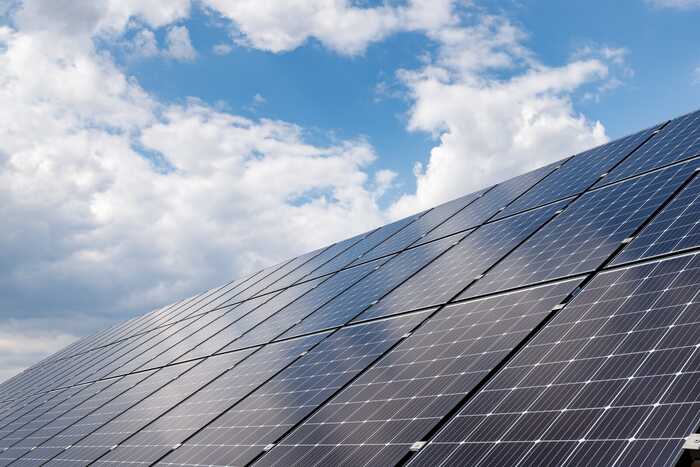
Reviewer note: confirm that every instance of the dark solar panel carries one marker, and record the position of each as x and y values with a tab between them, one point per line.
453	271
422	225
296	311
678	140
674	229
358	250
404	395
613	379
171	428
579	172
491	203
586	233
242	432
372	287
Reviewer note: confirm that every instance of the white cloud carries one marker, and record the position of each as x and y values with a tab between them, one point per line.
677	4
143	44
281	25
113	202
696	75
178	44
222	49
489	129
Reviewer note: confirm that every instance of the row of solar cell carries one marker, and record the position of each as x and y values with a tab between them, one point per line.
679	138
612	379
205	335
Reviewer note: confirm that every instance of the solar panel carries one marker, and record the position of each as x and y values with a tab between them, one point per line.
165	432
359	249
54	437
551	319
420	227
579	172
242	432
20	441
398	400
677	141
586	233
452	272
611	380
371	288
491	203
674	229
305	305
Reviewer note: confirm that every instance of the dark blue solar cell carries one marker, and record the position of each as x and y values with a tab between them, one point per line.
52	439
586	233
230	329
490	204
612	371
372	287
399	399
445	277
296	311
677	141
674	229
357	251
242	432
419	228
255	366
578	173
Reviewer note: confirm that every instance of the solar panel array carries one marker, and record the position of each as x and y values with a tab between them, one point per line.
552	319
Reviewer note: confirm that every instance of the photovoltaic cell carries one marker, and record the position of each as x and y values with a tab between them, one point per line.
296	311
677	141
25	438
673	230
371	288
54	437
242	432
444	278
579	172
586	233
187	418
422	225
358	250
101	441
230	333
488	205
613	379
327	257
397	401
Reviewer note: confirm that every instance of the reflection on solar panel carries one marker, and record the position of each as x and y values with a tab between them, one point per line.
552	319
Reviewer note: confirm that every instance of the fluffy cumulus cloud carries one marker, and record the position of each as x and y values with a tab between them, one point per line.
494	110
282	25
114	202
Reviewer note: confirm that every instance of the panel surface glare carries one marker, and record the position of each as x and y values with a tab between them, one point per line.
445	277
242	432
677	141
404	395
613	379
175	426
586	233
488	205
578	173
674	229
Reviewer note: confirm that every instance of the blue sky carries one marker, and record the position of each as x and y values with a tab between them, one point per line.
150	150
302	85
